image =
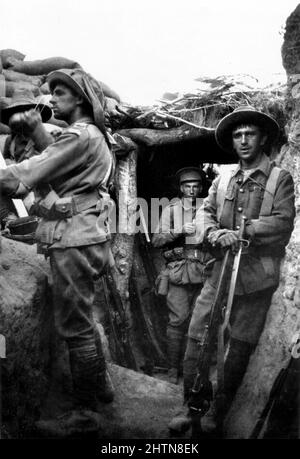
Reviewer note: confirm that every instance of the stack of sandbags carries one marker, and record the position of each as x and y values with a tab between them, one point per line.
17	73
21	74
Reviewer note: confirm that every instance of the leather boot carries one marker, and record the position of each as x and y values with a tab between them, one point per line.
85	367
182	420
174	337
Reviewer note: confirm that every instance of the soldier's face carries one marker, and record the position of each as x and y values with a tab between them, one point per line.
248	141
190	189
64	102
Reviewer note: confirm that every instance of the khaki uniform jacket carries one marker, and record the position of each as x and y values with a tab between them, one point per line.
169	235
169	231
268	235
77	163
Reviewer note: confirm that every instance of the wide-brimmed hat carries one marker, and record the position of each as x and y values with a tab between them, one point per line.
73	78
23	100
190	174
87	87
245	114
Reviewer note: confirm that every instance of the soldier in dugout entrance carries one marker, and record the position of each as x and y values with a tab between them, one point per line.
182	279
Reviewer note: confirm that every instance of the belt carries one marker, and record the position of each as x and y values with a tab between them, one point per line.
191	253
181	253
84	201
72	205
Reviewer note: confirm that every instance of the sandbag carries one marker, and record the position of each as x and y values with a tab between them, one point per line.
108	92
45	89
42	66
12	86
11	75
7	54
111	106
4	130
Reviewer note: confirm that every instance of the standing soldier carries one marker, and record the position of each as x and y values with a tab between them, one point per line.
264	194
71	179
184	262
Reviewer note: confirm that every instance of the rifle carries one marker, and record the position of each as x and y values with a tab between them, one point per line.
146	321
153	328
277	389
115	308
220	398
202	391
118	322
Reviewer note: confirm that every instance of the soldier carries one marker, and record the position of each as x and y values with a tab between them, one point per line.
264	194
71	178
19	146
184	262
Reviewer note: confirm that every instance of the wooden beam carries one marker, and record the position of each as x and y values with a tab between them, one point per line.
159	137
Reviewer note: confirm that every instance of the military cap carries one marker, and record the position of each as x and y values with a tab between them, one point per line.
190	174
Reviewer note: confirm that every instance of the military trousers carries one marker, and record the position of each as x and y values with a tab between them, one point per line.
247	321
247	317
180	301
74	271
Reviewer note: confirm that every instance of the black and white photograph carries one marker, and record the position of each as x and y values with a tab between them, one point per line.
150	224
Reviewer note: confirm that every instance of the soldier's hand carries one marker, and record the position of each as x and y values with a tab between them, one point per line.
229	240
25	122
5	221
214	236
189	228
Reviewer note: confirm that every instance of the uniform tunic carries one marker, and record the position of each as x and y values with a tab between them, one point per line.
260	264
186	274
77	165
